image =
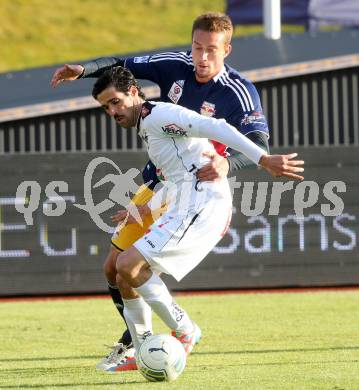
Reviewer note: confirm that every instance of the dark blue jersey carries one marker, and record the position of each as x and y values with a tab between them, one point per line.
227	95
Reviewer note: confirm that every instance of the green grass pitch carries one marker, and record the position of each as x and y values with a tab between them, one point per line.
32	33
271	341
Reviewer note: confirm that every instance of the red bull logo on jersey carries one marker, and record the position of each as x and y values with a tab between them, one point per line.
208	109
174	131
176	91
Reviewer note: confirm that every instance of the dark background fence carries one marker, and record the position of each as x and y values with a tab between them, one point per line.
315	114
319	109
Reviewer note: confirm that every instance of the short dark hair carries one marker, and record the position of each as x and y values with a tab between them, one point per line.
121	78
214	22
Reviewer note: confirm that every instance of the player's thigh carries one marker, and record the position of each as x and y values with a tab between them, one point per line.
176	244
125	236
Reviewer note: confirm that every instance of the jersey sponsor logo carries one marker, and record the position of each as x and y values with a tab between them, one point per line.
139	60
174	130
254	118
176	91
208	109
150	243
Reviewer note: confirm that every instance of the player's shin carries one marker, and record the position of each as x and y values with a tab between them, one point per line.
156	294
138	316
118	302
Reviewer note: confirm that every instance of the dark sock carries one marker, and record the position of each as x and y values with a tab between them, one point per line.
117	300
126	338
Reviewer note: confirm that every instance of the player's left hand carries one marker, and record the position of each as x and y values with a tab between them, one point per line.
215	170
283	165
66	73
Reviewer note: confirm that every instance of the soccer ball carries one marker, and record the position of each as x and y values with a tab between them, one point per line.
161	357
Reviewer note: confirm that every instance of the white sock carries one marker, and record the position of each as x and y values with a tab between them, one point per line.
138	317
156	294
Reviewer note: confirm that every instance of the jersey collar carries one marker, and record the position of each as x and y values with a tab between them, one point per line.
217	76
146	109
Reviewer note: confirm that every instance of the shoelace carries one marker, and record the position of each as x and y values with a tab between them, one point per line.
117	349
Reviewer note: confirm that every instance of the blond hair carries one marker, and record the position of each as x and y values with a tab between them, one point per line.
214	22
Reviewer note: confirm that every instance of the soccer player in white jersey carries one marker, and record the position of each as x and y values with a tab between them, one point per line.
197	79
177	142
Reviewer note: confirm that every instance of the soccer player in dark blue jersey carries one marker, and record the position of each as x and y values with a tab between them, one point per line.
199	80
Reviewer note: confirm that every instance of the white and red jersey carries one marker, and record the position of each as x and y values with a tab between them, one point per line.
177	138
198	214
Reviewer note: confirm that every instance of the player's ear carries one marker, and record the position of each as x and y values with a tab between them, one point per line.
227	50
133	90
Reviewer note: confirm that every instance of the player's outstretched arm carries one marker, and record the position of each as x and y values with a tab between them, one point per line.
283	165
66	73
218	167
219	130
94	68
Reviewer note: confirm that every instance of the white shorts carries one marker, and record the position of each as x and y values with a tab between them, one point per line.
176	244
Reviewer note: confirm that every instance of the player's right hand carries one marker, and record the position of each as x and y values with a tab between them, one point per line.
283	165
66	73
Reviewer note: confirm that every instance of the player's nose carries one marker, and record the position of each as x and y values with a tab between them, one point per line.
204	55
112	111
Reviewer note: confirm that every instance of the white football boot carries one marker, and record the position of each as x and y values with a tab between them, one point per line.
119	353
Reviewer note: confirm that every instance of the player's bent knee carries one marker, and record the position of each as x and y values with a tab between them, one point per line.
109	266
125	289
127	265
120	281
110	272
124	266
